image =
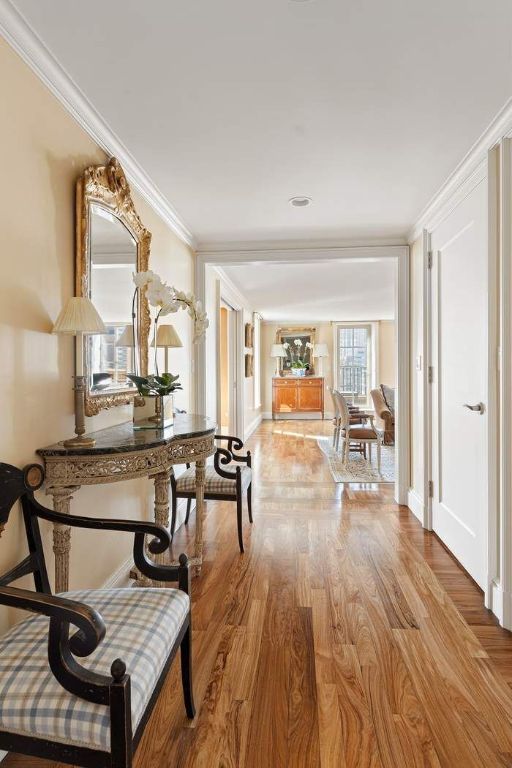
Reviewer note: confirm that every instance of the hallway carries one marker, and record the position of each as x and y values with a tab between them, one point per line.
344	638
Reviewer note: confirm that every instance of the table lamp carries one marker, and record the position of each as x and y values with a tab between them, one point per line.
79	317
320	351
278	351
166	338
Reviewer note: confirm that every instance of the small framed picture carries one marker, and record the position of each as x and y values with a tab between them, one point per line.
249	371
249	335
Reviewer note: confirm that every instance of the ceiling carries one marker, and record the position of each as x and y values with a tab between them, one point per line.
233	107
334	290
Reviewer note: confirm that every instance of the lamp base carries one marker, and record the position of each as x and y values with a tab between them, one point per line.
80	441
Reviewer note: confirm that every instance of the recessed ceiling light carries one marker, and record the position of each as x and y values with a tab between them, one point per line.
300	202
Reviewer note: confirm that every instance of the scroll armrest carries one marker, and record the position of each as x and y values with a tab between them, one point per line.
223	456
62	649
234	443
91	629
160	543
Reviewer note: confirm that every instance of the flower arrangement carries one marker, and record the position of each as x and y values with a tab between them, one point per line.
295	353
166	299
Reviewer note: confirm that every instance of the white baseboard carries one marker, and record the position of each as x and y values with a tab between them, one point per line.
416	504
2	755
501	605
252	426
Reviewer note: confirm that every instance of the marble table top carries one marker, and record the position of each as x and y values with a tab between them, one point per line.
123	437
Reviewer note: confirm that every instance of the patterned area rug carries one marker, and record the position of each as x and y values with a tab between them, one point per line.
358	470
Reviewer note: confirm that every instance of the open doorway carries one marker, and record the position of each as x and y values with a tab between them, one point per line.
226	416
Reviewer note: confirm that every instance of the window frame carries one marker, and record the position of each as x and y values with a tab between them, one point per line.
373	354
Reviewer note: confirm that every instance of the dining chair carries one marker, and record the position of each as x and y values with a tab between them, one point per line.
364	435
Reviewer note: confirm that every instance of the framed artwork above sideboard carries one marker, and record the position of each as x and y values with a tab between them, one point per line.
289	336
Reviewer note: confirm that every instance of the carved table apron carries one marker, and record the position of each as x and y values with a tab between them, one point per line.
121	453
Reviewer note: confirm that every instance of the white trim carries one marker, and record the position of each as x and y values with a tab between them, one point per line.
416	505
253	426
244	246
495	446
260	252
121	576
297	255
427	389
266	415
33	51
473	162
503	530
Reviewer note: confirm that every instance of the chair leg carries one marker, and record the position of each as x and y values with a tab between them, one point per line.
189	505
186	673
249	501
239	522
174	508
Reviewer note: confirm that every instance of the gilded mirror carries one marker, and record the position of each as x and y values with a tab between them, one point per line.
112	244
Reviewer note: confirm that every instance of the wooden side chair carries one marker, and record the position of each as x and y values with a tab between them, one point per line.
65	693
356	417
223	482
359	434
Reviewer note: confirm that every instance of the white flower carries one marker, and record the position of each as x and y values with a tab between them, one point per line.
309	345
158	294
297	342
143	278
171	306
286	345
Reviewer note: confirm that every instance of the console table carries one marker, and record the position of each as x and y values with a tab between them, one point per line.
295	395
122	453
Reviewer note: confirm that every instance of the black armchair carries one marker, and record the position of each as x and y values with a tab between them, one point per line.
223	482
55	707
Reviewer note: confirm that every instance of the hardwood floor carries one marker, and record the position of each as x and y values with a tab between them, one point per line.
345	637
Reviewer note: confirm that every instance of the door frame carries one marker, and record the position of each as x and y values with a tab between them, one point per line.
398	258
494	597
223	295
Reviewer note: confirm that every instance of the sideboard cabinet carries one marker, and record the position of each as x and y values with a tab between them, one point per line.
296	395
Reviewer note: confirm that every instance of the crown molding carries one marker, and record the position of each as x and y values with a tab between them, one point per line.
253	246
33	51
469	172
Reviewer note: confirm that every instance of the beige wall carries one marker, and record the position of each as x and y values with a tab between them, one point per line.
43	152
325	334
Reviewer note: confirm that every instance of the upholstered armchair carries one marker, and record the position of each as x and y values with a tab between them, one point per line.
384	416
66	694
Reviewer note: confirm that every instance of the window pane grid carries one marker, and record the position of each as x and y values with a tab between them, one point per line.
353	362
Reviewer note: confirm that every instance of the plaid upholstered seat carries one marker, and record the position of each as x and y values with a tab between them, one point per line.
142	625
214	483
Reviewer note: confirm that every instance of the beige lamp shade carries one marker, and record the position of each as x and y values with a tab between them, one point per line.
79	315
321	350
126	338
278	351
166	336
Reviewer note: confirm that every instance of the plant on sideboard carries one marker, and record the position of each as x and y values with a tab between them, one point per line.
296	356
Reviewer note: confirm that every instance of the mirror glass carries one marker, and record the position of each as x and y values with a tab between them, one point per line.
112	261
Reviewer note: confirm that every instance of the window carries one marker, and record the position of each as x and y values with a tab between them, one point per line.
256	350
354	361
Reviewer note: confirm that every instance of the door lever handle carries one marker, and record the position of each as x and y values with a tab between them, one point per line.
479	407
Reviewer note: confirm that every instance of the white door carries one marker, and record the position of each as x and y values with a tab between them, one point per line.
459	359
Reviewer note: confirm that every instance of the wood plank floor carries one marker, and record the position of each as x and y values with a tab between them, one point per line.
345	637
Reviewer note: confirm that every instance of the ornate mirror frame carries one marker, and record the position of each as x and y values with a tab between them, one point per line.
106	185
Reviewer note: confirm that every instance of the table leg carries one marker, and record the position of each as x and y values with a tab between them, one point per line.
162	481
62	537
200	478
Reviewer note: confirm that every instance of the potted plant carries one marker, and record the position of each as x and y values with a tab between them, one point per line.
298	363
154	409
